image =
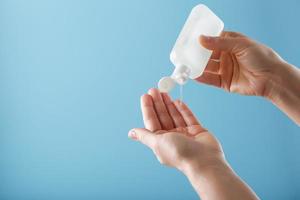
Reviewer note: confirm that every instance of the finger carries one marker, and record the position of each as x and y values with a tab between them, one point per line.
150	118
144	136
210	79
213	66
186	113
217	53
161	110
227	70
231	34
175	115
230	44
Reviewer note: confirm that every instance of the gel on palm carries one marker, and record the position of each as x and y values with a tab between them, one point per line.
187	55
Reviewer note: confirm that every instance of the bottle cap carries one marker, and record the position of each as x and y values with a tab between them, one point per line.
166	84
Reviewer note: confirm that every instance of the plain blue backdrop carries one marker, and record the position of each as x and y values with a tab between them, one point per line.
72	72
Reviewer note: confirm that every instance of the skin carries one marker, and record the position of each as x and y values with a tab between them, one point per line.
241	65
238	64
178	140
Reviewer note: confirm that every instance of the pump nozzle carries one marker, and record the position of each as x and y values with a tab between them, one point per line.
166	84
179	76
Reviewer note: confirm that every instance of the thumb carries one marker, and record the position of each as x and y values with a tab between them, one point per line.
144	136
230	44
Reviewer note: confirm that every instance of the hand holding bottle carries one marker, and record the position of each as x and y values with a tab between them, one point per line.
241	65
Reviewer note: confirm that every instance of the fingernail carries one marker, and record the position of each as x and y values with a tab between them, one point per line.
132	134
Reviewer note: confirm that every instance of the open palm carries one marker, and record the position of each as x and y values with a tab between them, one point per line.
173	132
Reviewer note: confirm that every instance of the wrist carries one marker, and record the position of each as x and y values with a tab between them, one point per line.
194	168
277	81
209	180
214	181
284	91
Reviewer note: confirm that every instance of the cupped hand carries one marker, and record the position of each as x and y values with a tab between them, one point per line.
174	134
239	64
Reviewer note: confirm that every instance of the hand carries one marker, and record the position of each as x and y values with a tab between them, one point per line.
239	64
178	140
174	134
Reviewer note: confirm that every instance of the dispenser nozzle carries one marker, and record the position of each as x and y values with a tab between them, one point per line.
180	76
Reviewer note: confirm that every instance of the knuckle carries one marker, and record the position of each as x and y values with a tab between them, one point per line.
140	137
245	40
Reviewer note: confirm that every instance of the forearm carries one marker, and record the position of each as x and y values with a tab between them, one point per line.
284	90
218	182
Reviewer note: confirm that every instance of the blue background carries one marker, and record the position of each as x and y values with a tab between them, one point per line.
71	76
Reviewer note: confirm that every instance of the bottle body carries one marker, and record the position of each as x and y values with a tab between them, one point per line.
187	52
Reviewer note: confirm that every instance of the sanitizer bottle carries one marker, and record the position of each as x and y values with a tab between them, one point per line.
187	55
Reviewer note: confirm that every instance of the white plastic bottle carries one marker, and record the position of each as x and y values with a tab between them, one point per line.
187	55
